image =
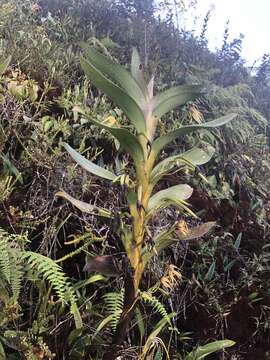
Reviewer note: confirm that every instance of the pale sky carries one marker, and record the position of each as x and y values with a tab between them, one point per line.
252	18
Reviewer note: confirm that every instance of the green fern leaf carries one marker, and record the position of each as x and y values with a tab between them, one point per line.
48	270
150	299
114	302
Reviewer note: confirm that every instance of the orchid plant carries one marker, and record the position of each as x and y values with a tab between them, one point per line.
144	109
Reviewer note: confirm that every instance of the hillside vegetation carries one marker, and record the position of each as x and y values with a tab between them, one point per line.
134	186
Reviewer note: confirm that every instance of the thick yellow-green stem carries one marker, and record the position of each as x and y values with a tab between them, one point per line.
132	281
144	190
134	248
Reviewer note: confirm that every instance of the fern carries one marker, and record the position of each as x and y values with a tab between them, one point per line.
11	271
16	276
114	303
5	266
71	254
48	270
150	299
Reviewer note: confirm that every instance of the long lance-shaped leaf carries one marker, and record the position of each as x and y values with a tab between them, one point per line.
155	335
162	141
119	96
202	351
176	96
193	157
116	72
83	206
173	195
137	71
171	236
89	165
127	140
4	64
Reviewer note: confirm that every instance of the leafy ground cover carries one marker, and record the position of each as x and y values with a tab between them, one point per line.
66	276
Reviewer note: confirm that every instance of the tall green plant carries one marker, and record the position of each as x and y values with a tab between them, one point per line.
135	96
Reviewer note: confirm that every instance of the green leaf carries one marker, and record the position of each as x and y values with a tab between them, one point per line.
10	168
158	328
76	314
164	140
4	64
83	206
199	156
92	279
140	322
2	352
119	96
173	195
73	336
193	157
102	324
211	272
89	165
176	96
202	351
238	242
127	140
116	72
137	71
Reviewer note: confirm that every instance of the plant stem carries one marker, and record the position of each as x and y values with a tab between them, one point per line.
134	270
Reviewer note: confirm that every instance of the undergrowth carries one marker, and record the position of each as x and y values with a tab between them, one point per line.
197	290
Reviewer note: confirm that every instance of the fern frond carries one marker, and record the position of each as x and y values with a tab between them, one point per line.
48	270
11	271
5	266
16	276
75	252
114	302
150	299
